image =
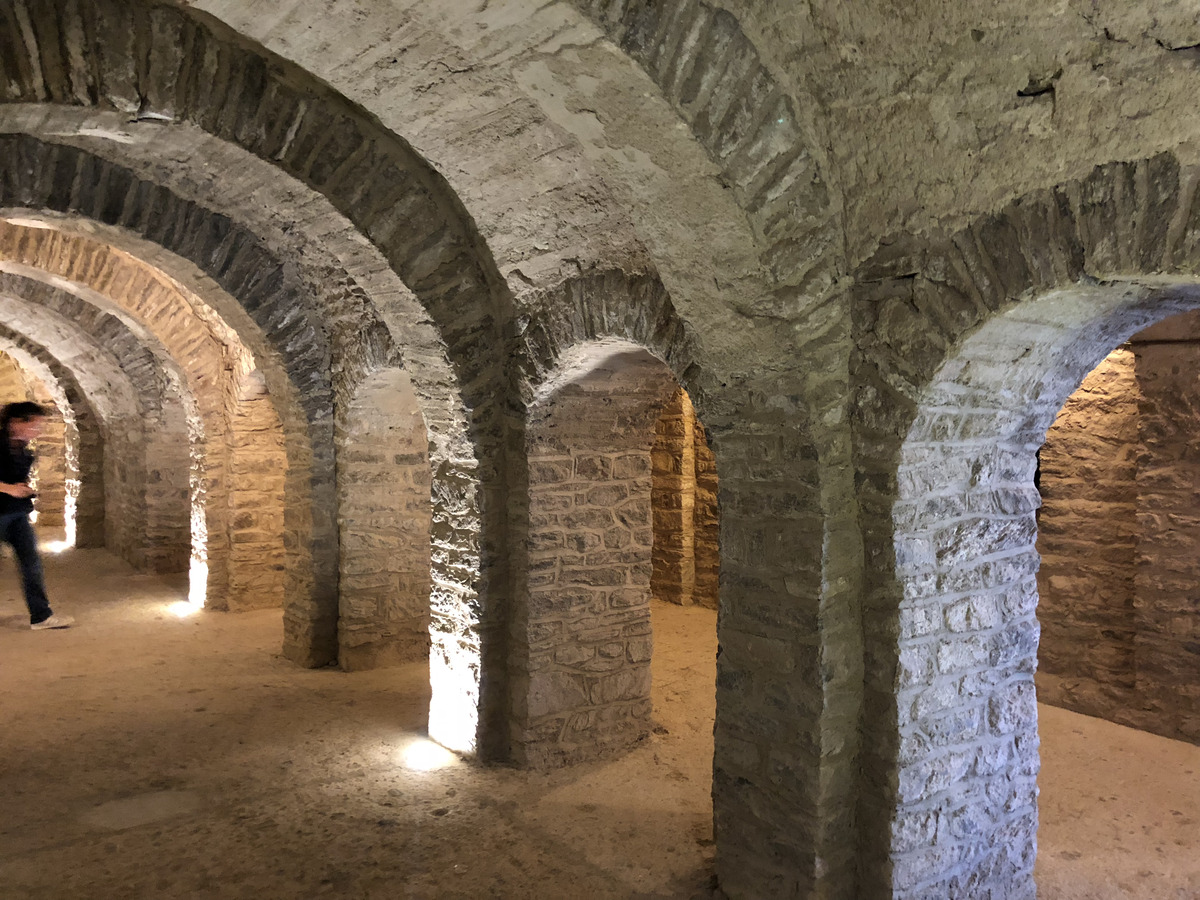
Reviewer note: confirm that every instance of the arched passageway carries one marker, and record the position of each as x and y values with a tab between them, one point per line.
83	443
277	310
952	631
965	534
1116	539
53	472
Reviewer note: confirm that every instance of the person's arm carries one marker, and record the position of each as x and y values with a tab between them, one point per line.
21	490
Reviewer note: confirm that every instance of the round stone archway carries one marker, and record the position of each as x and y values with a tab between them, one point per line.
968	346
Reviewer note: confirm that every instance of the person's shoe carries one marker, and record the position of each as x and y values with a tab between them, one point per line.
55	621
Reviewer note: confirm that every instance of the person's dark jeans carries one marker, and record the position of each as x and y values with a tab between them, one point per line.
16	530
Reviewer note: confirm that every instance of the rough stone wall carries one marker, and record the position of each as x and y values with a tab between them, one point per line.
1166	608
1087	538
257	473
385	515
51	467
584	689
684	498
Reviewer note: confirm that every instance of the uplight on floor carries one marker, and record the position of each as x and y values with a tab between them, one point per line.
424	755
183	608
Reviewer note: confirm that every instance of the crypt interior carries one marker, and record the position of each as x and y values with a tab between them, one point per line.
604	448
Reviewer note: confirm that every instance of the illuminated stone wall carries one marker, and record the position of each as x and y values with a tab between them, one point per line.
384	514
1088	541
686	558
1117	536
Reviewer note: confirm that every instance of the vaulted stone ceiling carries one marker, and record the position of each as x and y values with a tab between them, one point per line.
805	214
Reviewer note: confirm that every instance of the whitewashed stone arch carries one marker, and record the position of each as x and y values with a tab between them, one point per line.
968	344
966	561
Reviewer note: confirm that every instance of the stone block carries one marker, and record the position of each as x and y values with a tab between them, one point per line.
551	693
593	468
630	465
631	683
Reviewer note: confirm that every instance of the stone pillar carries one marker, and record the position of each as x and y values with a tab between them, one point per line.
256	564
51	472
673	498
706	523
90	504
384	517
581	678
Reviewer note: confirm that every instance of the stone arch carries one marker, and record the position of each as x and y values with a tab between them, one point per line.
84	441
244	265
384	515
968	346
360	344
317	137
51	472
768	147
160	537
358	339
146	508
596	307
162	64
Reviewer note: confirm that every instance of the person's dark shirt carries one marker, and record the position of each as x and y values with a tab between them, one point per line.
15	463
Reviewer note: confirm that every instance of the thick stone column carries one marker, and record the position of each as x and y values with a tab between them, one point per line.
674	500
256	553
582	683
686	541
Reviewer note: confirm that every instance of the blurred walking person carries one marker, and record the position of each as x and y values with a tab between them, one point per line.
21	423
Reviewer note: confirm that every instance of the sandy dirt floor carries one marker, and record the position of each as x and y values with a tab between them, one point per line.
144	755
150	756
1119	812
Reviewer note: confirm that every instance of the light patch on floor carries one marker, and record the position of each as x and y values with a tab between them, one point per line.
141	810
